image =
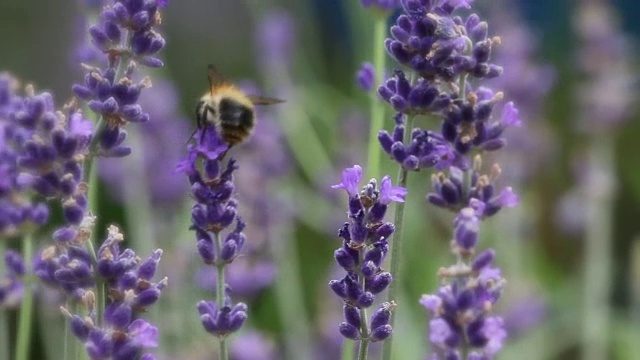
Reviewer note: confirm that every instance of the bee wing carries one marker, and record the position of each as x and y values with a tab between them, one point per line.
261	100
215	79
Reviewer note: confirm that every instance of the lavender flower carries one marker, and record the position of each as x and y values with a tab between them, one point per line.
467	125
365	77
11	285
445	53
67	265
435	43
215	211
126	34
449	191
19	118
252	345
609	85
461	308
365	245
275	39
131	290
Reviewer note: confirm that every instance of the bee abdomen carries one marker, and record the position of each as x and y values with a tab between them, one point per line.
233	135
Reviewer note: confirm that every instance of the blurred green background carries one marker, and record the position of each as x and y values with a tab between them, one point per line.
324	127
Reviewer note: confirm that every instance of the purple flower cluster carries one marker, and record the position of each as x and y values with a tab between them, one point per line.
364	248
443	51
11	286
67	265
19	119
119	335
450	192
467	124
43	150
125	33
435	43
215	211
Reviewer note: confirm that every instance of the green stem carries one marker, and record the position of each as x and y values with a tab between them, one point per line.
363	349
396	245
289	291
4	316
597	274
67	337
220	293
92	197
347	350
139	211
26	310
376	107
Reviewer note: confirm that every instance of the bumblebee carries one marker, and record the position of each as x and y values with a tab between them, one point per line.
229	109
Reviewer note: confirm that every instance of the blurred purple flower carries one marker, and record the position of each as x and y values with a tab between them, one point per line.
608	90
11	285
366	76
275	38
525	314
21	119
252	345
245	279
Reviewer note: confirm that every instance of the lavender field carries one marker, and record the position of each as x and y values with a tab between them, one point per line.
319	179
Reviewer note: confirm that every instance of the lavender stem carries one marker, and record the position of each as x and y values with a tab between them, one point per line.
363	348
220	293
376	107
4	319
290	299
26	309
597	263
396	244
139	213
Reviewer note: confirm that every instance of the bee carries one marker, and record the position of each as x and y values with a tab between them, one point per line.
229	109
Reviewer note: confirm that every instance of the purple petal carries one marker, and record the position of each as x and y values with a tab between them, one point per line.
511	115
350	180
389	193
143	333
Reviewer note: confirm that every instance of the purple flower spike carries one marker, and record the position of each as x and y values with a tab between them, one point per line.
364	247
212	187
448	53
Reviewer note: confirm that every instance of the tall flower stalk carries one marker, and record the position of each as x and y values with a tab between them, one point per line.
380	10
364	247
215	211
446	55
